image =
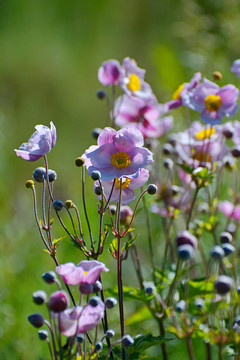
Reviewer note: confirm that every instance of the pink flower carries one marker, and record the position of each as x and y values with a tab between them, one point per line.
110	73
118	154
229	210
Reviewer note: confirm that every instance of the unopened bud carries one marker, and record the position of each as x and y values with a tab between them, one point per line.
236	151
101	94
127	341
185	252
98	190
180	306
79	161
152	189
58	301
97	286
49	277
96	132
69	204
86	288
110	333
168	164
225	237
217	75
36	320
110	302
98	347
39	297
167	149
57	205
94	301
223	284
96	175
52	175
39	174
29	184
43	335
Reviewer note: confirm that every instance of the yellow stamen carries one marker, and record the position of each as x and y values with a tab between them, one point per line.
202	157
134	83
120	160
213	102
205	134
85	273
177	93
125	183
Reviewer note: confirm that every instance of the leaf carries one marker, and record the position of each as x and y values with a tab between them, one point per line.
57	241
197	287
143	342
130	294
140	315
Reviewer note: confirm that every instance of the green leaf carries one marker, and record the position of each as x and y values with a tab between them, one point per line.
130	294
57	241
140	315
143	342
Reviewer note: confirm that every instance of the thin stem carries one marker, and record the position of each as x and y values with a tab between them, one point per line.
48	183
192	206
50	349
43	203
53	340
85	209
208	350
190	348
136	264
172	288
79	220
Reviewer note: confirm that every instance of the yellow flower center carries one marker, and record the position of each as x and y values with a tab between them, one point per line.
134	83
120	160
85	273
177	93
205	134
125	183
213	102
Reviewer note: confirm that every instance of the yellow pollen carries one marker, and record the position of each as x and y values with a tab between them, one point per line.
177	93
120	160
205	134
134	83
85	273
125	183
213	102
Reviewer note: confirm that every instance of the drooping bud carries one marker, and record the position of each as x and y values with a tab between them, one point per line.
236	151
217	252
39	297
223	284
185	237
29	184
152	189
168	164
113	209
185	252
167	149
97	286
98	347
94	301
127	340
52	175
39	174
69	204
101	94
110	302
98	190
110	333
49	277
36	320
96	132
79	161
57	205
43	335
96	175
225	237
228	249
58	301
180	306
199	303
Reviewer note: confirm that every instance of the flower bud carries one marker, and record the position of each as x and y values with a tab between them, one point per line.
236	151
80	338
168	163
101	94
231	228
203	208
39	174
175	190
110	302
98	190
49	277
86	288
217	252
229	162
113	209
238	290
57	205
98	347
223	284
68	204
110	333
186	238
228	133
43	335
152	189
52	175
96	132
228	249
58	301
94	301
125	214
149	287
36	320
217	75
39	297
97	286
225	237
199	303
127	341
185	252
237	319
79	161
29	184
180	306
167	149
96	175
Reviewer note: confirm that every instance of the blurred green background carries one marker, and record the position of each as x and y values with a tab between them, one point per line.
50	52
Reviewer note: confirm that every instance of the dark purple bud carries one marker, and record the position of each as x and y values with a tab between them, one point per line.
110	333
228	249
96	175
94	301
101	94
86	288
149	289
97	286
98	347
175	190
237	319
236	151
80	338
185	252
167	149
199	303
229	162
98	190
225	237
96	132
110	302
238	290
173	140
39	174
36	320
52	175
79	161
168	163
180	306
228	133
39	297
223	284
58	205
217	252
127	341
152	189
186	238
113	209
58	301
49	277
43	335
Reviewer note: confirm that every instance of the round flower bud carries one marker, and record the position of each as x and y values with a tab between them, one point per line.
225	237
98	347
185	252
236	151
217	75
110	302
186	238
94	301
175	190
199	303
229	162
228	133
96	175
79	161
97	286
49	277
52	175
168	163
57	205
68	204
110	333
39	174
149	289
58	301
238	290
36	320
223	284
167	149
228	249
101	94
180	306
172	139
43	335
152	189
203	208
231	228
96	132
217	252
29	184
127	341
237	319
39	297
98	190
80	338
86	288
113	209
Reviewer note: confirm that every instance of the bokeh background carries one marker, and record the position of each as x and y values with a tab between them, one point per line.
50	52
